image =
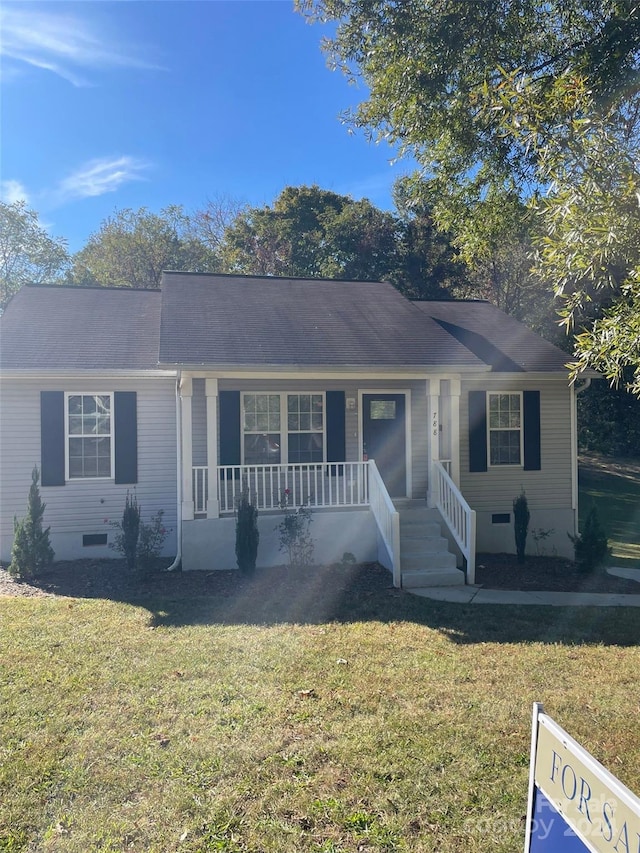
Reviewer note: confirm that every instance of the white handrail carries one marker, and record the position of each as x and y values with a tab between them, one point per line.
387	518
458	516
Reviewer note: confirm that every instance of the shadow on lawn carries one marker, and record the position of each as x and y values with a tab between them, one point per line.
337	593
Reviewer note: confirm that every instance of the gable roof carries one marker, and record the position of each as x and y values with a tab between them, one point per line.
227	321
498	339
66	327
261	320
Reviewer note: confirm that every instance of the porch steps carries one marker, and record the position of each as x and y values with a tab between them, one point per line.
425	559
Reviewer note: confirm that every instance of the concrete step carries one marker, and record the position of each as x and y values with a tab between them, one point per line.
423	545
423	579
416	530
440	560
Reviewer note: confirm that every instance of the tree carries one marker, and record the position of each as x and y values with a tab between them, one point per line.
133	247
31	551
517	96
28	255
312	232
318	233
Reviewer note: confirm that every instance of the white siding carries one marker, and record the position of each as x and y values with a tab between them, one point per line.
549	492
81	507
550	488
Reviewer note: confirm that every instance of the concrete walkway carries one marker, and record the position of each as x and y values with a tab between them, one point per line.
479	595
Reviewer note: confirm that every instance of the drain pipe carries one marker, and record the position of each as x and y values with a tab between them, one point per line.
178	560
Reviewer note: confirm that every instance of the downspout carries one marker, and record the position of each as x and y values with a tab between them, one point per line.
574	454
178	560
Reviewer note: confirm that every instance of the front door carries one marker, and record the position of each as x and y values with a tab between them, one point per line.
384	438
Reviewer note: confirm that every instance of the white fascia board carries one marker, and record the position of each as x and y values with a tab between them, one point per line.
93	374
260	371
523	376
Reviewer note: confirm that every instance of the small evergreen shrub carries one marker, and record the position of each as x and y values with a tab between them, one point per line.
295	533
521	516
126	540
31	551
591	547
247	533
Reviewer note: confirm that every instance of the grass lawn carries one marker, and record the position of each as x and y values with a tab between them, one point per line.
614	488
346	716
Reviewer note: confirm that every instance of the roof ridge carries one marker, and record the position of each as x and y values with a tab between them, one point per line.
67	286
275	277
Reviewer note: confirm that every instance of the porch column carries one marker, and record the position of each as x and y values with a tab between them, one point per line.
433	400
454	429
213	504
186	394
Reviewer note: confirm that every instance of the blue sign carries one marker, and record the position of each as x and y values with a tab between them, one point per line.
549	831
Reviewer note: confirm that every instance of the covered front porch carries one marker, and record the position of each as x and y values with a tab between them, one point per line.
357	497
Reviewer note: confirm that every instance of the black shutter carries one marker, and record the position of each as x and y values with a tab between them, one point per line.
125	423
229	428
52	438
477	431
531	423
336	445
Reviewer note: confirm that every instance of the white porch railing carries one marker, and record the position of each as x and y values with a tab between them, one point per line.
458	516
328	484
387	518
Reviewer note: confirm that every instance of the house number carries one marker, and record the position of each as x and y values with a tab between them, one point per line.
435	423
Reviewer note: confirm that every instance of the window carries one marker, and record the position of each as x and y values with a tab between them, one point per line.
505	429
89	435
280	428
305	427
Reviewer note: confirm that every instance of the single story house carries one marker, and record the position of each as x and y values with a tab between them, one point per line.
409	427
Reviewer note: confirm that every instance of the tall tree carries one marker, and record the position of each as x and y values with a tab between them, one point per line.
518	96
28	255
309	231
133	247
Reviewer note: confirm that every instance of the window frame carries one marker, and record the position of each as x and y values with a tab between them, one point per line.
490	429
284	426
68	435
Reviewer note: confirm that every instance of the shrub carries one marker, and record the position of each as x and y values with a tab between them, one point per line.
31	551
295	533
521	516
592	545
150	541
247	533
139	543
126	540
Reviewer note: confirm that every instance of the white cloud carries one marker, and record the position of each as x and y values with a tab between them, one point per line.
12	191
62	44
98	177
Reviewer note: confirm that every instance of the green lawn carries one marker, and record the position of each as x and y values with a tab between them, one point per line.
343	718
615	491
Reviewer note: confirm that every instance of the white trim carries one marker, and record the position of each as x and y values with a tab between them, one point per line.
85	373
211	393
520	394
349	371
68	435
407	428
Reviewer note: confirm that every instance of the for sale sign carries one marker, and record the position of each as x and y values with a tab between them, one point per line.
575	804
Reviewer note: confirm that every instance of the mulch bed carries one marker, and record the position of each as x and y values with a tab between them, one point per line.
551	574
110	579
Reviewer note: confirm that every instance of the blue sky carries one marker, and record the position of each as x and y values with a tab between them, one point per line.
110	105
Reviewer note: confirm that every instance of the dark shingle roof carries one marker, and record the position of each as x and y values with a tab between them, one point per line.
495	337
238	320
222	320
50	327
